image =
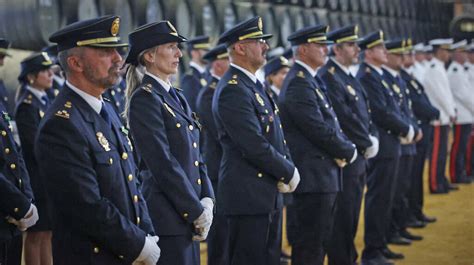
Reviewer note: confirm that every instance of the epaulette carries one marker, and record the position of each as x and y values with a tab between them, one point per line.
203	82
367	70
300	74
68	104
63	114
213	85
106	99
28	99
433	65
232	82
332	70
147	88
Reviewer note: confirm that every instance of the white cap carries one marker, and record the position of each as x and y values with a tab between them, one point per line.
428	48
470	47
278	51
459	45
442	43
419	47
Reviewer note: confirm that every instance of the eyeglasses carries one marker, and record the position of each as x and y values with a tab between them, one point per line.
260	41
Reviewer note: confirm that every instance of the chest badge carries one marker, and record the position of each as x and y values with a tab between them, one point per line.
103	141
351	90
396	89
384	83
320	95
259	99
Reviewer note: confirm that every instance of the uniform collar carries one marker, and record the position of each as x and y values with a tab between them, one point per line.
246	72
275	90
215	76
38	93
166	85
345	69
311	71
95	103
196	66
378	69
391	71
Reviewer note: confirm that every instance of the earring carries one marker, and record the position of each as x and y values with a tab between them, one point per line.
30	81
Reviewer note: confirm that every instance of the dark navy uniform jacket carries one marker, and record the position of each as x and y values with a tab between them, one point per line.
191	84
351	104
4	97
116	95
386	113
255	156
313	132
15	190
210	146
100	216
401	95
54	91
28	114
422	108
174	175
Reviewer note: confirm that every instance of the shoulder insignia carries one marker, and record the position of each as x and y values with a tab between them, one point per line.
103	141
169	109
68	104
351	90
259	99
455	69
27	101
63	114
367	70
433	65
147	88
300	74
332	70
106	99
41	113
396	89
203	82
232	82
384	83
234	76
213	85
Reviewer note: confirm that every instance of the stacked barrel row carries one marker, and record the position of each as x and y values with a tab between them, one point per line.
28	23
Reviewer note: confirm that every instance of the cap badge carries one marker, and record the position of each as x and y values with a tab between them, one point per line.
260	23
115	27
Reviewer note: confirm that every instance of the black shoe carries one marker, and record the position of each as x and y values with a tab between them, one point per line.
398	240
405	234
427	219
416	223
387	253
380	260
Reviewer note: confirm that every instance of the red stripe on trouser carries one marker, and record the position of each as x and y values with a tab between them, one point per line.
454	153
470	149
434	159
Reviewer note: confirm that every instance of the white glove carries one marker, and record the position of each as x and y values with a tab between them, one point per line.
203	223
409	138
292	185
150	252
372	150
354	156
30	218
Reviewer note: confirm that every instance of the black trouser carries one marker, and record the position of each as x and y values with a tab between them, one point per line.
400	209
381	179
423	148
179	250
342	249
314	218
218	239
438	181
255	239
457	164
10	251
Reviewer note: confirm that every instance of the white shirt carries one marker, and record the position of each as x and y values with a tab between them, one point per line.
95	103
275	90
311	71
38	93
201	69
246	72
462	93
377	69
165	84
438	90
418	70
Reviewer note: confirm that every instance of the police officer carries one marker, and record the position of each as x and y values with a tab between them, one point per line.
463	98
85	156
351	105
382	169
437	88
36	78
424	113
317	145
397	233
195	78
176	185
255	165
58	78
217	241
275	72
419	66
4	45
470	150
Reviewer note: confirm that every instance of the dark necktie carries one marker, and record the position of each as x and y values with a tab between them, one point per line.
105	115
45	100
260	87
174	95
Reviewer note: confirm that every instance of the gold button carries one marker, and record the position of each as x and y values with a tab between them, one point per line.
120	257
96	250
259	175
138	220
130	177
111	161
7	150
281	127
20	182
340	130
284	141
178	125
185	215
124	156
190	127
326	106
12	166
135	198
282	179
196	163
284	156
195	145
266	111
199	181
16	210
4	133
